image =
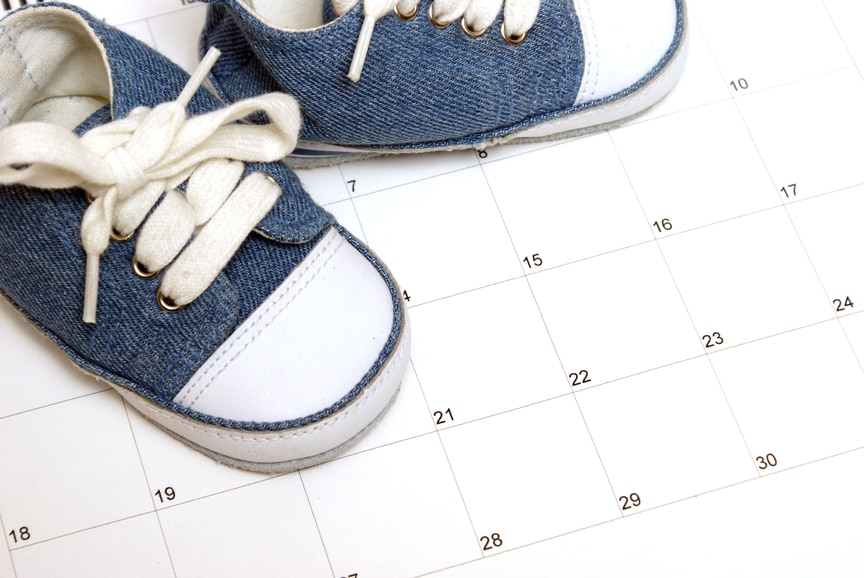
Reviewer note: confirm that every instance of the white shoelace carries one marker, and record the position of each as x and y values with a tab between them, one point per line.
126	165
477	16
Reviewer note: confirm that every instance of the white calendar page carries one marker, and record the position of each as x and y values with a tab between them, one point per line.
635	353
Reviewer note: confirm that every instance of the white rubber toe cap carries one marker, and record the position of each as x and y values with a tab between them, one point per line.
624	40
305	347
312	344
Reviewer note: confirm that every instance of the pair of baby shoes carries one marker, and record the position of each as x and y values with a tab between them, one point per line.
152	231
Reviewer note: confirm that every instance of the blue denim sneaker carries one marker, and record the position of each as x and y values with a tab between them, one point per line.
397	76
241	318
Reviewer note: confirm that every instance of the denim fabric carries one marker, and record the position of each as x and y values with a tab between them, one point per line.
134	343
419	84
422	88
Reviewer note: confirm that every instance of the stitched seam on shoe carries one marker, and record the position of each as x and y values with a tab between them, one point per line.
370	394
592	69
193	390
13	46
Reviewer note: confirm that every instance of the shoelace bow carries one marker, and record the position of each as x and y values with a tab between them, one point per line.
477	16
126	165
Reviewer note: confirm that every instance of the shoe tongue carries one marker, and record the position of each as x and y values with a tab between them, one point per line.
141	77
101	116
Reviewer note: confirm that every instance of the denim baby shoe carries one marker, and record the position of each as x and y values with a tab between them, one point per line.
238	317
395	76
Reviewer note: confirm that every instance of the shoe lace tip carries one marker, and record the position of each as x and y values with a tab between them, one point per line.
91	289
361	48
198	75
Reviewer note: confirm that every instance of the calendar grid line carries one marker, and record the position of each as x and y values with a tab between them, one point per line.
55	403
624	248
442	445
317	525
785	206
684	303
818	195
572	391
719	383
707	354
11	559
824	289
353	205
792	223
149	487
465	292
849	341
402	184
79	531
766	475
782	203
754	479
547	330
841	37
751	92
803	78
656	239
200	498
601	384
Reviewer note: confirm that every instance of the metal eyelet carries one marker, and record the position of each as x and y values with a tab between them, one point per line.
470	32
119	238
167	304
142	271
510	39
406	17
436	23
